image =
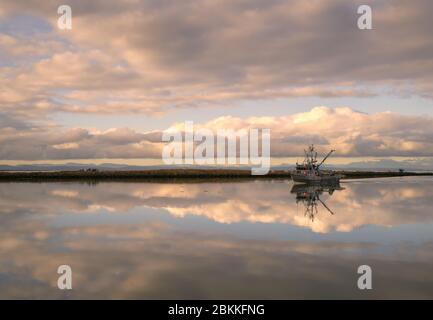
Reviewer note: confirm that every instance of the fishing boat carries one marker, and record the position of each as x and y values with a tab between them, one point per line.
309	170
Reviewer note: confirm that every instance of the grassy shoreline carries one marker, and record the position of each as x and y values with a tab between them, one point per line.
179	174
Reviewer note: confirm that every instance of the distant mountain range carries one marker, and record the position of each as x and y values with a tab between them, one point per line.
75	166
380	165
103	166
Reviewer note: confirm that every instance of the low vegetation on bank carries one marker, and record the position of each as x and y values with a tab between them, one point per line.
176	174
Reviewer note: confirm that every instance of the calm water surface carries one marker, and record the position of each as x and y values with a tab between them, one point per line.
257	239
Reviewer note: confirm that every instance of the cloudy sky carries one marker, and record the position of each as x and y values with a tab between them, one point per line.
129	69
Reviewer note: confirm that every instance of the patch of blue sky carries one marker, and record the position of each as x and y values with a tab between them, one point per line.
24	25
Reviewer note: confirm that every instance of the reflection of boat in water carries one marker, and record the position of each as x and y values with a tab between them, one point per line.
309	171
309	195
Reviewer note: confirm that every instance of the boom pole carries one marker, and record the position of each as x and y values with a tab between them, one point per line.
326	157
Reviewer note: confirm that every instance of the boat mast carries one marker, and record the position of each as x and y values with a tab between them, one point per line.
310	157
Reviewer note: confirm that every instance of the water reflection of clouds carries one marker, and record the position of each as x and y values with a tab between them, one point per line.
153	261
359	204
157	259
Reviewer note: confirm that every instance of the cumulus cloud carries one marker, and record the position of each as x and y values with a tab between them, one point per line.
152	56
350	132
76	144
